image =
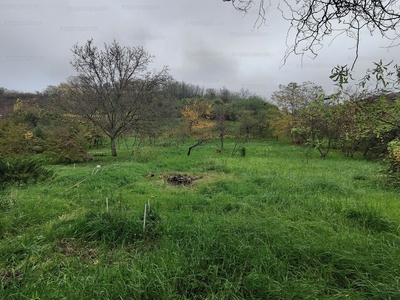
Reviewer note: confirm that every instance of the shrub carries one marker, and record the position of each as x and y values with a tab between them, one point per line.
14	139
243	151
394	161
22	171
66	144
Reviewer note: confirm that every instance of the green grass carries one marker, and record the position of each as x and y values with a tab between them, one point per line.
269	225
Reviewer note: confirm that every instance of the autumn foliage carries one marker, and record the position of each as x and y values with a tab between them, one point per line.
194	113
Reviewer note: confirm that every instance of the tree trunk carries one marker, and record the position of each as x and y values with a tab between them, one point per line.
195	145
113	149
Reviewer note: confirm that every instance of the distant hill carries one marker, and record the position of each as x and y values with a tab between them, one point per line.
8	98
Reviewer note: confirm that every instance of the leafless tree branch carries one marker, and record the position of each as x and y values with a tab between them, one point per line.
246	5
312	20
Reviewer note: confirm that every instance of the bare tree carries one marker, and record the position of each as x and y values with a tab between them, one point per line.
221	124
312	20
113	89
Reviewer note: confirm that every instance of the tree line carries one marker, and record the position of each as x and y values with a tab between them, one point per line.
180	111
114	96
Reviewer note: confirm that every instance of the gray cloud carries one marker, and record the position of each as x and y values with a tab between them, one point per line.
203	42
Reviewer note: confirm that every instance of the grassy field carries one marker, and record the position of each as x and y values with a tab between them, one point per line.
269	225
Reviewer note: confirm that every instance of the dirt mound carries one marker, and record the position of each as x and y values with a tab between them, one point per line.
181	179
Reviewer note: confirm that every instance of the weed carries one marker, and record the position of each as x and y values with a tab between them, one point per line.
243	151
21	171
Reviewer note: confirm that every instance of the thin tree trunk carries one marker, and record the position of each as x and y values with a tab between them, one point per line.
113	149
195	145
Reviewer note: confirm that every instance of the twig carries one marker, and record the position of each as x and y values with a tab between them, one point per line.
76	184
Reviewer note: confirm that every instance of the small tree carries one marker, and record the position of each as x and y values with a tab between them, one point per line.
194	111
221	124
293	99
320	124
376	104
281	123
240	138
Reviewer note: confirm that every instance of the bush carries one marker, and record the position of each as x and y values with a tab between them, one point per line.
243	151
66	144
14	139
22	171
394	161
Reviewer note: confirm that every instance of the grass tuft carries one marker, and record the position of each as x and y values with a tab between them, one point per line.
113	229
370	219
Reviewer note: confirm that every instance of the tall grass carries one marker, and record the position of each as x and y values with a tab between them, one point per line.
267	225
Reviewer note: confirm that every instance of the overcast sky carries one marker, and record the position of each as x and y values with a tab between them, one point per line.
203	42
